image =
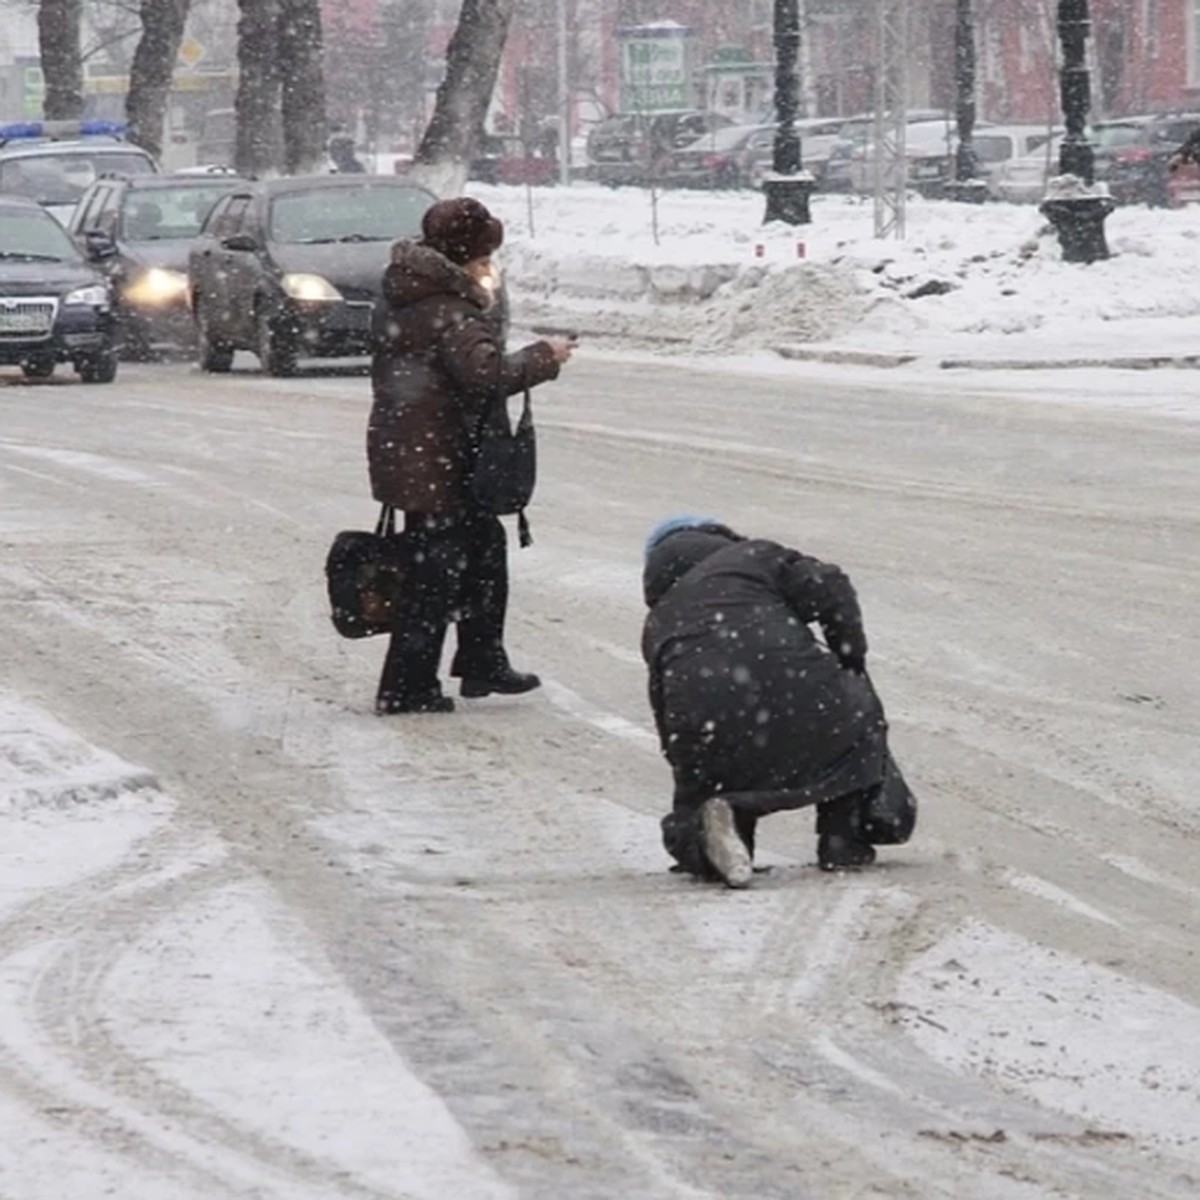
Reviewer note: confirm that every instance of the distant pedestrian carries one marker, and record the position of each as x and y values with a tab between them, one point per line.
342	155
1188	152
754	713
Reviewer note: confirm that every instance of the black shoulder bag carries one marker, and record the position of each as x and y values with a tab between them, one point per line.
504	463
363	575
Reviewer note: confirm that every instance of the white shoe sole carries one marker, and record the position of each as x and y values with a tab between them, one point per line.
725	849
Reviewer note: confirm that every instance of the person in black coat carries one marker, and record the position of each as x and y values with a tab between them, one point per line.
754	712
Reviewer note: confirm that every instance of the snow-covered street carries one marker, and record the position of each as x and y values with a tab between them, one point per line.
257	942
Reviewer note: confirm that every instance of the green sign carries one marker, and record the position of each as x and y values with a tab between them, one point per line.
654	74
34	91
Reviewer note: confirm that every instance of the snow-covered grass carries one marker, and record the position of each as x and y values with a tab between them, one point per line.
966	280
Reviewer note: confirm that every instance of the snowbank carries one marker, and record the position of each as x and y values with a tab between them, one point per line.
968	280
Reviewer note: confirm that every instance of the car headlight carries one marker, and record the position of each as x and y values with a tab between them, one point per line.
158	285
94	295
309	287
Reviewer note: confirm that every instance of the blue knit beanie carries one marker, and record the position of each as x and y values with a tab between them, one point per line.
673	524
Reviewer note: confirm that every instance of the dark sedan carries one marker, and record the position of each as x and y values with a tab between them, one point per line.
1134	157
291	268
54	306
139	230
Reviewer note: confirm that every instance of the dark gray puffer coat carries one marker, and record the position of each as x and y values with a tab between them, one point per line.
746	699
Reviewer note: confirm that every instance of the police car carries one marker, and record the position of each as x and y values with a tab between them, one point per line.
54	162
54	305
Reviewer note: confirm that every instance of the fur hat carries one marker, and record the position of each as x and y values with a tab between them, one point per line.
462	229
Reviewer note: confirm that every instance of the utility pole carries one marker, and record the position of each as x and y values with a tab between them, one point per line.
789	186
890	163
1075	208
564	99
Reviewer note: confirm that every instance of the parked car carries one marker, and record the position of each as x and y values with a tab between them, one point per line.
139	230
1136	168
996	145
852	135
54	162
1023	178
505	158
293	267
723	158
929	155
818	137
743	155
1109	138
54	305
932	165
633	147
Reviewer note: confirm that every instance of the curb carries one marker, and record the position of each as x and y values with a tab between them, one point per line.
869	358
1141	362
859	358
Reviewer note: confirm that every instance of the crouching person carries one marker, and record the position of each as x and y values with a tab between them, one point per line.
754	713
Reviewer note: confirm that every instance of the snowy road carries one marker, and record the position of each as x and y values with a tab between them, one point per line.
256	942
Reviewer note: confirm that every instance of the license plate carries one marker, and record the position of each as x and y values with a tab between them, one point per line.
24	322
927	170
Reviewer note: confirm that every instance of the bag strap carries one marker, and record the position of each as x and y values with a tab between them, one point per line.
524	536
386	525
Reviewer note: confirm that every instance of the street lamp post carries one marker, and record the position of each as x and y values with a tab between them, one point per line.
789	186
966	184
1073	205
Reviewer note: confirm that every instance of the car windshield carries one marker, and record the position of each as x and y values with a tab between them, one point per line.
1113	137
159	214
52	178
730	137
363	214
992	148
1174	131
34	235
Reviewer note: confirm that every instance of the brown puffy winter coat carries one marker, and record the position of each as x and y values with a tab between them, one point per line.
438	359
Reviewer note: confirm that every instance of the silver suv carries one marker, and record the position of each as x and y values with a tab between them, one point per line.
54	162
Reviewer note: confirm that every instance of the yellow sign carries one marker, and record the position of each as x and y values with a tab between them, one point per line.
190	52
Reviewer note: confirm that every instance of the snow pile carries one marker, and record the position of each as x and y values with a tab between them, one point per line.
683	270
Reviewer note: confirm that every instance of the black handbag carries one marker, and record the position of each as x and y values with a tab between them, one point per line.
504	465
363	575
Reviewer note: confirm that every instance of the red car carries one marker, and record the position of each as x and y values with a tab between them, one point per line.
510	160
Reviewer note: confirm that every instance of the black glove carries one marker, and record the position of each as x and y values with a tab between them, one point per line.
857	665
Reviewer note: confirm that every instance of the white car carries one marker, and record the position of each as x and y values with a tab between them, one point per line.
931	148
1023	178
928	149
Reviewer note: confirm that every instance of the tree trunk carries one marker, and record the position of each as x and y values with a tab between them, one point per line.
62	59
303	86
472	64
406	36
153	65
259	145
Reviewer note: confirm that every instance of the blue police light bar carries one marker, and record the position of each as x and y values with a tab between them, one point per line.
94	127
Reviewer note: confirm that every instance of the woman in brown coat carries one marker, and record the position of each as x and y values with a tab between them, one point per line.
438	360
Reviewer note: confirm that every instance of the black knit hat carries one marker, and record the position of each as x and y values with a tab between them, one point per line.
462	229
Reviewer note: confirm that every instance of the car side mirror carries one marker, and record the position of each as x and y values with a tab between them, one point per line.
240	241
99	244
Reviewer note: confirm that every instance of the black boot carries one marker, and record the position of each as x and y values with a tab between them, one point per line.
429	702
504	681
409	680
841	842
